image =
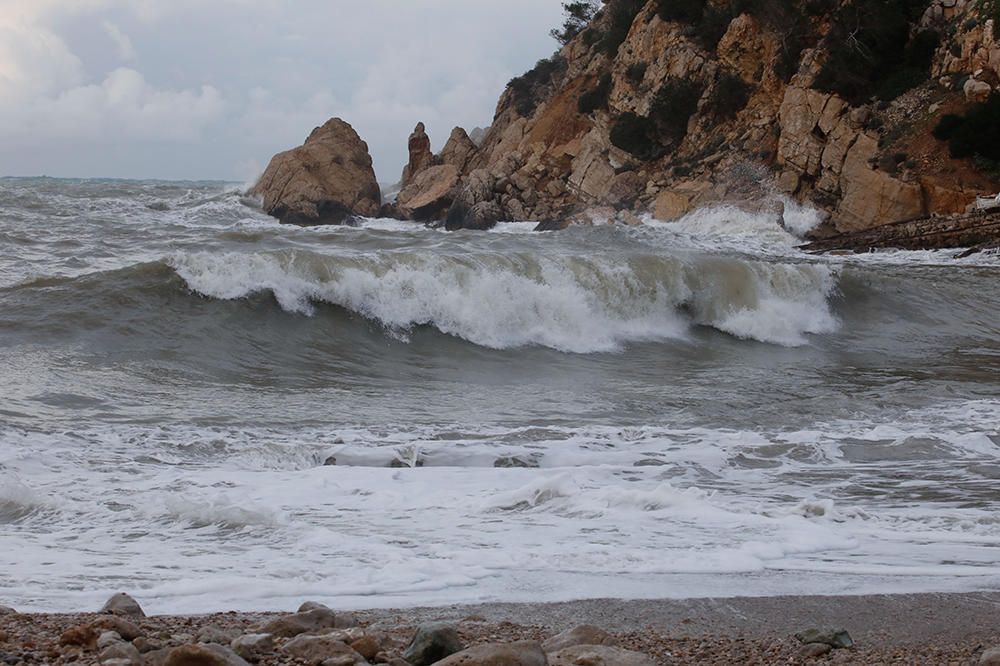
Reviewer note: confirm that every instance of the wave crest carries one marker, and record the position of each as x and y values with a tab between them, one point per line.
577	304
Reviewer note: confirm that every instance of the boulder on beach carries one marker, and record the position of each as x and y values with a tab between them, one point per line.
203	654
599	655
320	649
584	634
432	643
835	638
327	180
523	653
123	604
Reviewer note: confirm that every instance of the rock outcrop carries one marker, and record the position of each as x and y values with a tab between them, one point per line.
421	157
327	180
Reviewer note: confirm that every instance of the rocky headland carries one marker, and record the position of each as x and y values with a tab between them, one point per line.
875	112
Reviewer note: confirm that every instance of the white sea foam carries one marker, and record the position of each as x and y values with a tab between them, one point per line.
573	304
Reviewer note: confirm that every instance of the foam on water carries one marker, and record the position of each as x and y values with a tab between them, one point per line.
167	430
575	303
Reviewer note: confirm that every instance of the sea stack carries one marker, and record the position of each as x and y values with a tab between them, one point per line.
327	180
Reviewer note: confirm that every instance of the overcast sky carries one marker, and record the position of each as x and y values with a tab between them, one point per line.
210	89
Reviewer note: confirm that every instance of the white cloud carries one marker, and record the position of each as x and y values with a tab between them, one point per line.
188	88
120	40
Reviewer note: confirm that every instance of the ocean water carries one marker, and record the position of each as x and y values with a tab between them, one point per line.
213	411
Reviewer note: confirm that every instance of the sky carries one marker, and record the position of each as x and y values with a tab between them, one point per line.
211	89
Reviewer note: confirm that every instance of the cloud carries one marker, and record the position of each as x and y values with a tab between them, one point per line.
187	88
120	39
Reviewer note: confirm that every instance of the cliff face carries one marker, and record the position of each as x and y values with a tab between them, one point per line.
726	101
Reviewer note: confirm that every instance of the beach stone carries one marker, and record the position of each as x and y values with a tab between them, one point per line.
118	662
123	604
367	646
108	638
523	653
599	655
432	643
120	650
253	647
292	625
812	650
835	638
585	634
217	635
145	645
319	649
7	610
202	655
83	635
127	630
990	658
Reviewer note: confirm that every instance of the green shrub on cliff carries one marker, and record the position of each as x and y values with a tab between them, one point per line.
730	96
976	134
675	102
578	15
597	98
633	134
529	88
870	51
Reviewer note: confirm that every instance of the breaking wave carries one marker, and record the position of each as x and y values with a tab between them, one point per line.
571	303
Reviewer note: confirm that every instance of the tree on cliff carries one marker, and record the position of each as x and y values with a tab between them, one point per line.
578	15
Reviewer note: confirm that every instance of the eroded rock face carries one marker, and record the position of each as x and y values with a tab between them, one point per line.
421	157
429	195
327	180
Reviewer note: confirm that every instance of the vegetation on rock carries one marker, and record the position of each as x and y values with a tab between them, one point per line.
578	16
976	134
597	98
530	88
871	53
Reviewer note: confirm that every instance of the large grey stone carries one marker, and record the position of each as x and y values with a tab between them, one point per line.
202	654
123	604
990	657
319	649
835	638
585	634
599	655
313	620
432	643
525	653
253	647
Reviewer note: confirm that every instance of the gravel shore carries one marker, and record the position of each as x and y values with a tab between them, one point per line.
886	629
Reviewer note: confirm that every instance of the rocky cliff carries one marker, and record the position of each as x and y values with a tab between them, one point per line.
666	105
875	111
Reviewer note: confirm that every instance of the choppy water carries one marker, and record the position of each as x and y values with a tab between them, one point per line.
660	411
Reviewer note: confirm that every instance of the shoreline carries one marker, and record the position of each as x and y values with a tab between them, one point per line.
917	628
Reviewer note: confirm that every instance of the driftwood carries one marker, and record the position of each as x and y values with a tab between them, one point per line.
978	230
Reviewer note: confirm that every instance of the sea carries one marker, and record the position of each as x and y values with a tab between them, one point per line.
213	411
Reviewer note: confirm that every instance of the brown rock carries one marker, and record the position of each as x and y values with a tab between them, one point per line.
421	157
524	653
127	630
327	180
318	649
84	635
679	201
458	151
202	655
585	634
599	655
286	626
367	646
429	194
7	610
